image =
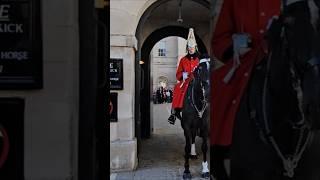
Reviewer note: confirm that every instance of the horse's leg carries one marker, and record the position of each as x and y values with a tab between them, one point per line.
193	154
259	161
204	148
188	137
217	156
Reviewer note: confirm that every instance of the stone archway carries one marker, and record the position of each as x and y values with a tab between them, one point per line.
150	30
172	136
145	94
131	23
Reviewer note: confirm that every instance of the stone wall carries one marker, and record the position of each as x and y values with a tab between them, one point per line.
51	113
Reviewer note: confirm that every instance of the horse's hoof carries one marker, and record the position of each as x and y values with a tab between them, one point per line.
193	156
187	175
205	175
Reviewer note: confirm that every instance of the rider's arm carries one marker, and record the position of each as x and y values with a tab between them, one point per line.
180	70
222	36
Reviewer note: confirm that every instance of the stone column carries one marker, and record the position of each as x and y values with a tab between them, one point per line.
123	144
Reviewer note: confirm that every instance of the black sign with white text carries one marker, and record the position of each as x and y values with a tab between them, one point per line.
116	74
20	46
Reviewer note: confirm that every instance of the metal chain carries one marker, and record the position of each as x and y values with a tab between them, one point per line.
289	163
205	104
200	113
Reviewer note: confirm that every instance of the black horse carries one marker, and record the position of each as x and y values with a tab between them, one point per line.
195	115
276	134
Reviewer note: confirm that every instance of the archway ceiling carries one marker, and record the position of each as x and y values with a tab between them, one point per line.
193	13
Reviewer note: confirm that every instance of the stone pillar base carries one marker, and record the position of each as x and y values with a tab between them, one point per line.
123	155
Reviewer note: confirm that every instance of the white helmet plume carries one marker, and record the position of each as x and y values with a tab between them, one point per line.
191	41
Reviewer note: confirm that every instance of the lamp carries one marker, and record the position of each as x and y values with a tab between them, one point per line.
180	20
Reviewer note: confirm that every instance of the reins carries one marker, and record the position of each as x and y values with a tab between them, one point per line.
289	162
204	103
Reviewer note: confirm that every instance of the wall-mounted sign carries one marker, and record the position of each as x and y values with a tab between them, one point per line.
113	107
20	47
116	74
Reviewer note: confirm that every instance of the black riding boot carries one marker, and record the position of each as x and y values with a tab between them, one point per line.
175	113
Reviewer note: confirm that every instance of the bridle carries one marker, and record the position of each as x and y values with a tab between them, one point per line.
204	102
289	162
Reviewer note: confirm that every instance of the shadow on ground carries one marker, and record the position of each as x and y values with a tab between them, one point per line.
162	156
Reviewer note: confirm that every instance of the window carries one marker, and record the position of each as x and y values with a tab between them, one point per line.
161	52
161	49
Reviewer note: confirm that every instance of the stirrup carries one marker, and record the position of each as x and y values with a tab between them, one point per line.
172	119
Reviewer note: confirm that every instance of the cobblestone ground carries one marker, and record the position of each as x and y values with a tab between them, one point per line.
161	156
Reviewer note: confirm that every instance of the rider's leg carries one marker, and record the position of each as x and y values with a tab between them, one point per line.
172	117
175	113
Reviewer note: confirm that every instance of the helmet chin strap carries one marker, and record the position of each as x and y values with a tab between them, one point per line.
192	55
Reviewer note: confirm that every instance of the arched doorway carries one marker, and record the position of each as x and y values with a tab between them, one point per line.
162	144
145	92
132	24
153	26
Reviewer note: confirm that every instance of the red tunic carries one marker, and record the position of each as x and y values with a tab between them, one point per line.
180	89
236	16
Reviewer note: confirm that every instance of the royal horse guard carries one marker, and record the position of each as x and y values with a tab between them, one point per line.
184	72
261	111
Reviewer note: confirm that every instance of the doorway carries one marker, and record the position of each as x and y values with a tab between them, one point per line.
161	147
145	91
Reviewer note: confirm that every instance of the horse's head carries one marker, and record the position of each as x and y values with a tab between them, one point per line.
202	76
290	98
294	41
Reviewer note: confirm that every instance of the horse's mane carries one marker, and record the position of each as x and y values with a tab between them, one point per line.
194	94
192	87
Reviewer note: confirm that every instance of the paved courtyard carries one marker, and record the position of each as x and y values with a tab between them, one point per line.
161	156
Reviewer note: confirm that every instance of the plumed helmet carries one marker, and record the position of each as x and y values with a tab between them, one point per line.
191	41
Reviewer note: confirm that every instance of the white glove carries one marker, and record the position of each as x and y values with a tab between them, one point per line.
185	75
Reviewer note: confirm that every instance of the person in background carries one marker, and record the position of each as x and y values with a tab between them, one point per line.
167	96
158	94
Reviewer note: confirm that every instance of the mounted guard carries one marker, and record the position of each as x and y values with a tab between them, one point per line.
266	101
186	66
